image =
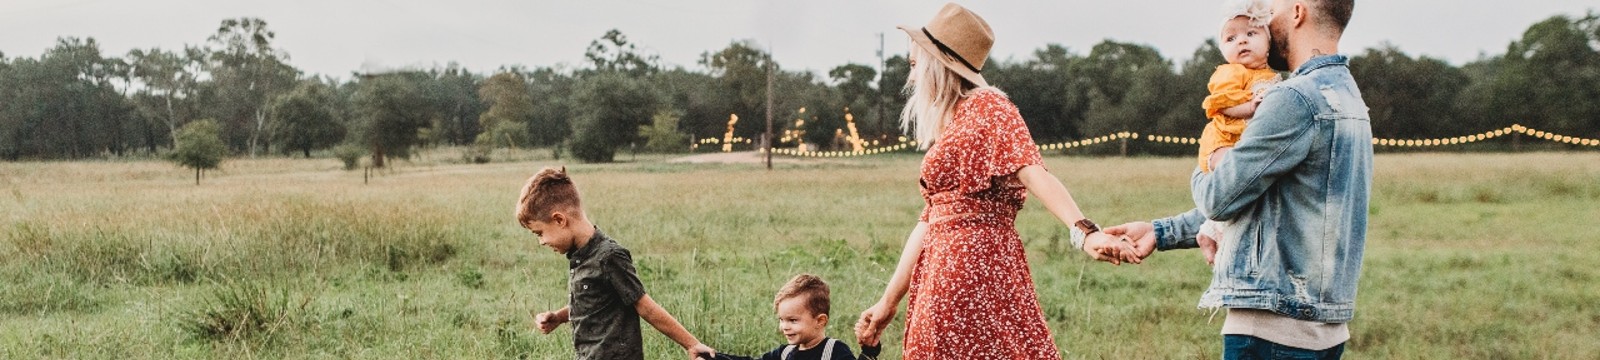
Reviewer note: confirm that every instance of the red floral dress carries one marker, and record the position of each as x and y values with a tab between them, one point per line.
971	294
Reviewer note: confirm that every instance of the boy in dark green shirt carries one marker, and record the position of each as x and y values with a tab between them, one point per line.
607	300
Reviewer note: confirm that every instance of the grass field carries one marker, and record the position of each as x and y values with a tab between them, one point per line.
1480	256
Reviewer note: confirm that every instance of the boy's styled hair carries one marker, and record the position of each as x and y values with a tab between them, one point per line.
548	191
809	287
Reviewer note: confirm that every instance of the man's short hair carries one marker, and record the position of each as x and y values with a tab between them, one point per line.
1334	13
548	191
809	287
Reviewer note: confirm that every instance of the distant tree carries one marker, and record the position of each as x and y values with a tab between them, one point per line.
304	119
510	110
697	96
662	135
610	109
246	72
1186	118
855	88
552	94
613	53
741	69
1544	80
171	79
891	86
1048	89
1131	87
456	96
391	109
1409	97
65	104
198	146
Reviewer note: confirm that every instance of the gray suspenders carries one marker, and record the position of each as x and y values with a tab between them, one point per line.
827	350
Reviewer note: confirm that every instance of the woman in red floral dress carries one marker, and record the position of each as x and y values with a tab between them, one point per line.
964	265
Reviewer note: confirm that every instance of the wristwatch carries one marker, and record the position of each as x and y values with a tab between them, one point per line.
1086	226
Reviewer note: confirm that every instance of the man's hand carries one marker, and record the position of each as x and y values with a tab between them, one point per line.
1142	234
549	320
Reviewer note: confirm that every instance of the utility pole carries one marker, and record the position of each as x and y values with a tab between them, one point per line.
766	139
883	66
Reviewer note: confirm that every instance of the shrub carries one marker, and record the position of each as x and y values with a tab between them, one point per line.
244	311
350	155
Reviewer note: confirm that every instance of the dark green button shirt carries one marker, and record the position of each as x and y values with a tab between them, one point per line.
604	288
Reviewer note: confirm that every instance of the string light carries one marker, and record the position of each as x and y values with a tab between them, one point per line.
1167	139
1491	134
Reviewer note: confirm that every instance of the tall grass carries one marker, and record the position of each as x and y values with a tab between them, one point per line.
1471	256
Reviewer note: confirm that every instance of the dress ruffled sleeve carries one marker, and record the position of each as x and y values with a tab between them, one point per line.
1229	87
997	144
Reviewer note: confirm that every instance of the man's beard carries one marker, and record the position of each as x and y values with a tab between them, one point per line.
1278	54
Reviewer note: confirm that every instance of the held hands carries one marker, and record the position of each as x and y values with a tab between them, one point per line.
1111	248
869	330
1142	234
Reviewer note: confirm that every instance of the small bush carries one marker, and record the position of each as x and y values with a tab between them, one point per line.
476	154
350	155
246	311
471	278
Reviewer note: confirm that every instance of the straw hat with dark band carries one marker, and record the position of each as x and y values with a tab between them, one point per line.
960	38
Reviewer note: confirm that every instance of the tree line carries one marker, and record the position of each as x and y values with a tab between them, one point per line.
74	101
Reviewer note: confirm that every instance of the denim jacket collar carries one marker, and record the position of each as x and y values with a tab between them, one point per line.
1322	61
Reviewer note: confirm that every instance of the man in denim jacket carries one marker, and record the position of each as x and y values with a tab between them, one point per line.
1296	188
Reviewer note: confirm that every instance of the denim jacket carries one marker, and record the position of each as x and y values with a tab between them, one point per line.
1294	190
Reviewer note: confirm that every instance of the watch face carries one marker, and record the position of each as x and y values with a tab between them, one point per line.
1088	226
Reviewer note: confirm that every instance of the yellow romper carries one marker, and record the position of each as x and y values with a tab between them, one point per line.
1231	85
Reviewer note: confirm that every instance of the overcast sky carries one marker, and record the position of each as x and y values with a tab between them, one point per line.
336	37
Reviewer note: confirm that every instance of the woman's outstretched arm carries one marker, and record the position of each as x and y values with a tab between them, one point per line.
1058	200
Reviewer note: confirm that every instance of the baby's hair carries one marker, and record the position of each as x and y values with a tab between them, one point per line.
811	287
548	191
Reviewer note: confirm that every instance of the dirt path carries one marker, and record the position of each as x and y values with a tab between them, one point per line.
740	157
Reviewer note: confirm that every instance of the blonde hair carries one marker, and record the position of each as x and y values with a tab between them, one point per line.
932	96
811	288
548	191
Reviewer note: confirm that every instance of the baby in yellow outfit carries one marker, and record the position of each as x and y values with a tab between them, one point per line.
1236	88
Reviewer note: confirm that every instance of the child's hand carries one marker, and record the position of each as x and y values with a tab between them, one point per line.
548	321
1209	233
1208	246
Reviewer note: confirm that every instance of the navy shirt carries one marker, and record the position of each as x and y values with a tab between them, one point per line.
840	352
604	288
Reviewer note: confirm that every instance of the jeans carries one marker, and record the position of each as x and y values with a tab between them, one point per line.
1243	347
